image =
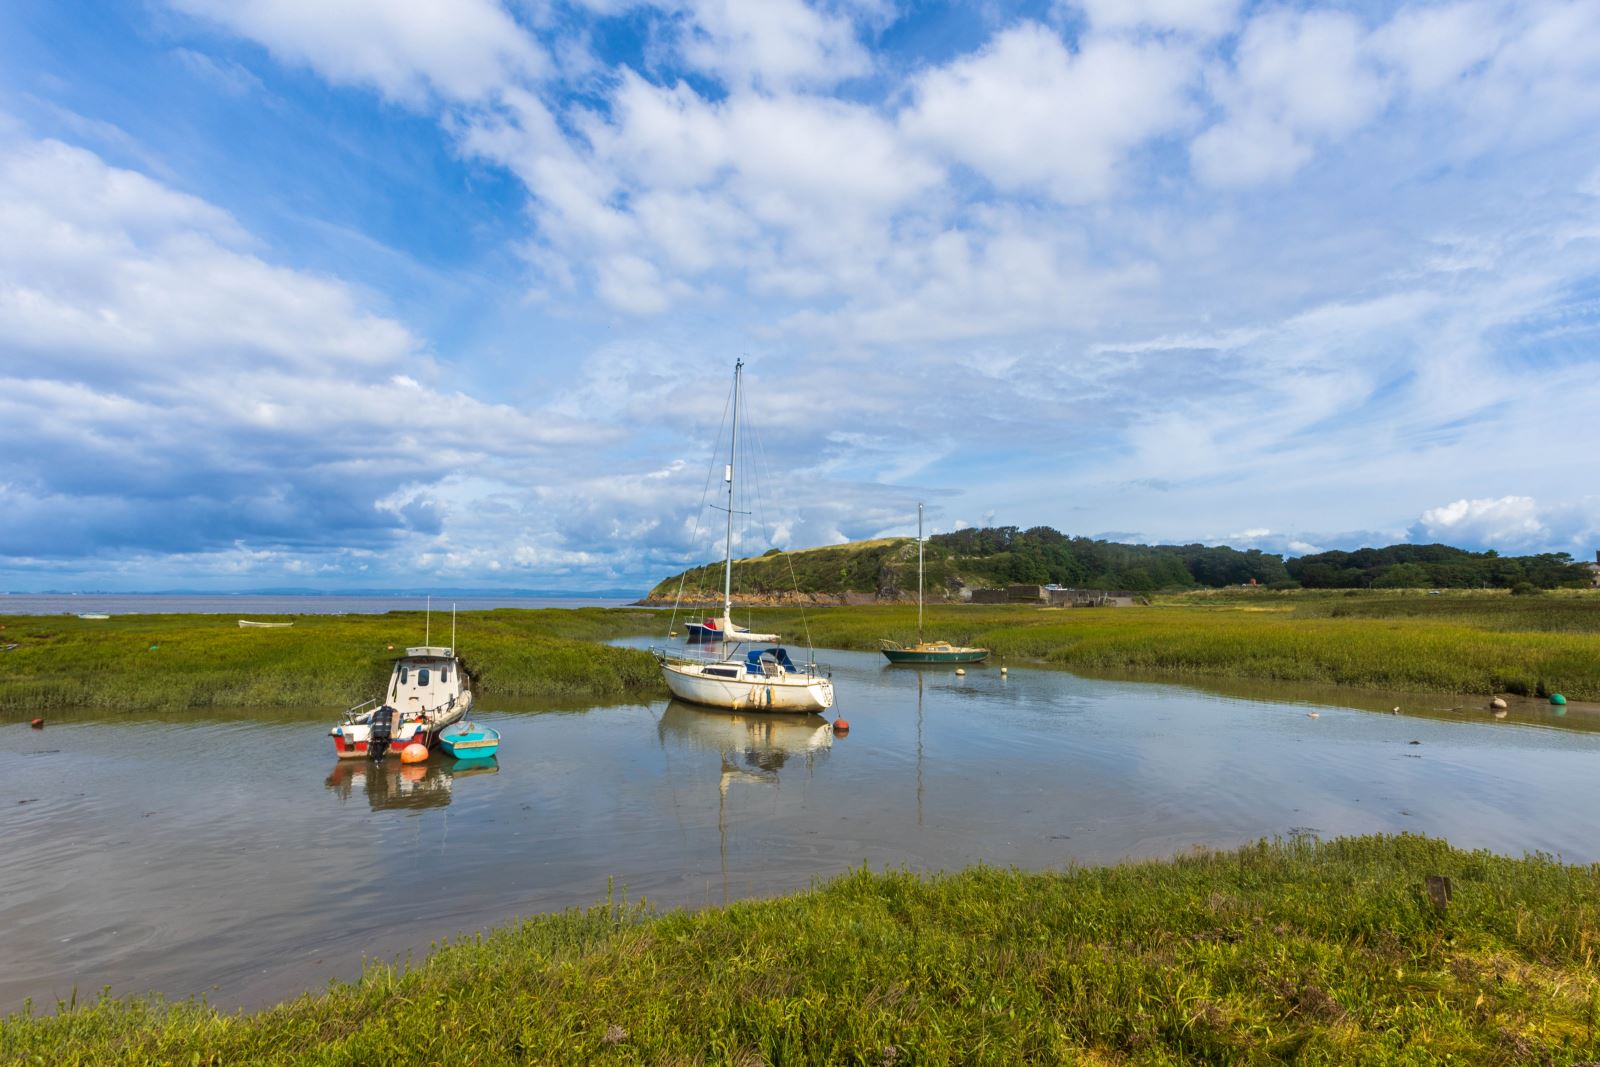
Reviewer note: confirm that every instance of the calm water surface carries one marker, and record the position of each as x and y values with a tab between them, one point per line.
234	856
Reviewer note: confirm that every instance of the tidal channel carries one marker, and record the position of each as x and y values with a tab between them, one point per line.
231	855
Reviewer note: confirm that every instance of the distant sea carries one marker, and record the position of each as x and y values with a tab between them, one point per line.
247	604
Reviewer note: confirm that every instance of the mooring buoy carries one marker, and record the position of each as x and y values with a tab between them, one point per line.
841	726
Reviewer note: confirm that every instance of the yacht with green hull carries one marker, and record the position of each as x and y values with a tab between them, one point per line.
929	651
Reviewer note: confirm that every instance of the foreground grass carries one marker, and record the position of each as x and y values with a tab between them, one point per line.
1319	953
1462	643
141	662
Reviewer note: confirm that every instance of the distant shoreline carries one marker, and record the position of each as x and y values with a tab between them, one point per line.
45	604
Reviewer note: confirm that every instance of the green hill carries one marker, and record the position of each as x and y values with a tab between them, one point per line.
992	557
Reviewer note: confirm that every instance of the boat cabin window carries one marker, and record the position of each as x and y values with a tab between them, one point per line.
422	676
722	672
444	675
403	676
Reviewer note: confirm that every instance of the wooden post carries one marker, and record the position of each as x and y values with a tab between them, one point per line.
1438	889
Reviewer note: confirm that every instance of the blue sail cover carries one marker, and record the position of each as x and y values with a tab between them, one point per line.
752	659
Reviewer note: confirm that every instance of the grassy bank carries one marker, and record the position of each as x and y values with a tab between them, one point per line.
1321	953
1455	643
134	662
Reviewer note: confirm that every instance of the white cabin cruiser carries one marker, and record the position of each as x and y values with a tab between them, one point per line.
427	692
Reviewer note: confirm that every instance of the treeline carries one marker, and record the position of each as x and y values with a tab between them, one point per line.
1434	567
997	556
1005	555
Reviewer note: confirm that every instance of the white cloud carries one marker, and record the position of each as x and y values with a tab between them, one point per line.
1506	520
1297	78
463	50
670	187
166	388
1026	113
1433	46
773	44
1202	17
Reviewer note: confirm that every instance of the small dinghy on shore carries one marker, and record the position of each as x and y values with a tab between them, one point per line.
251	624
471	742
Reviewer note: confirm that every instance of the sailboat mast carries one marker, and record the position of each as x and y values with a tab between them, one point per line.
733	451
919	573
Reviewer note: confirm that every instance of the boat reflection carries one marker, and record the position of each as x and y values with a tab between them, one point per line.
390	785
753	747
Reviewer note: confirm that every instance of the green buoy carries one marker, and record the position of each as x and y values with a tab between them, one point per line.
1557	698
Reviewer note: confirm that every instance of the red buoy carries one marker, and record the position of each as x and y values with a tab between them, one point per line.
37	724
841	726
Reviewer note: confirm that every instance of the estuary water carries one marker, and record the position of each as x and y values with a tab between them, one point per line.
231	855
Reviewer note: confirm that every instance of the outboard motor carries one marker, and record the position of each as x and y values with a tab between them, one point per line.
382	734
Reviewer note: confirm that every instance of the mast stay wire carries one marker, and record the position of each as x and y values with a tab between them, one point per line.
694	537
788	557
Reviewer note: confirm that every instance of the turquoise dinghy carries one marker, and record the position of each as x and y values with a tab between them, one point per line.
471	742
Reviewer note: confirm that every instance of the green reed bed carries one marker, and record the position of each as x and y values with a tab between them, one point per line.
140	662
1460	643
1320	953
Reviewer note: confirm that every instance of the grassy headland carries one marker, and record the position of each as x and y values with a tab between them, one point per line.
1477	642
1320	953
138	662
998	556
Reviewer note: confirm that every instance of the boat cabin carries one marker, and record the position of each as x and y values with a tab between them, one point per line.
426	677
769	661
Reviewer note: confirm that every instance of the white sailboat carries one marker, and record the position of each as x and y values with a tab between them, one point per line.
756	679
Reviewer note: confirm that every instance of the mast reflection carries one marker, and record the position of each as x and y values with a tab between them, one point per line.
753	748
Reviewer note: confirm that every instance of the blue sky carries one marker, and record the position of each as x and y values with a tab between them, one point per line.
373	293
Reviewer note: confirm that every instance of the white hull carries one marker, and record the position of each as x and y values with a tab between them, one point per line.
750	692
350	739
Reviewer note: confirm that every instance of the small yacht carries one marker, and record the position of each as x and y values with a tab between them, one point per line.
759	679
427	692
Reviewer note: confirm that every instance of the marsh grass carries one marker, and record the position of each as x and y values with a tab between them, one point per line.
1460	642
1320	953
141	662
1454	643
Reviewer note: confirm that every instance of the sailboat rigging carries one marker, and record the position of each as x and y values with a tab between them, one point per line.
759	679
929	651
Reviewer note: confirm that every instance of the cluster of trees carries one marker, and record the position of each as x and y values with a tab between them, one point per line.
1006	555
1434	567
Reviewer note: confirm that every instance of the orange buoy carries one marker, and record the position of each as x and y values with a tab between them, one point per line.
391	648
841	726
415	752
37	724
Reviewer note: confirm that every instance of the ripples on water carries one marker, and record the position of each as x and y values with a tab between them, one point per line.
238	858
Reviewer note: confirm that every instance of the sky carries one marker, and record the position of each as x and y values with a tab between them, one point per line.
366	294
